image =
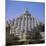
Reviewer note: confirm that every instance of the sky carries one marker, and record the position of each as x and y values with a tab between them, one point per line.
16	8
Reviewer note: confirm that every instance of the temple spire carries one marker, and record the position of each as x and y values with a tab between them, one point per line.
26	10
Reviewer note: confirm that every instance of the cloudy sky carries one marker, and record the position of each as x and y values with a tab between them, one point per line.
16	8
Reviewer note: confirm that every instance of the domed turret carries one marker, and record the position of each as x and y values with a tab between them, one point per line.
26	12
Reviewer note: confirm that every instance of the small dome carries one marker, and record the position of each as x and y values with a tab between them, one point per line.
26	12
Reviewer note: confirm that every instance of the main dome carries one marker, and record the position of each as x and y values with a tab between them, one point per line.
25	22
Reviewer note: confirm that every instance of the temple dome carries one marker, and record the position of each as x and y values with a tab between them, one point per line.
24	23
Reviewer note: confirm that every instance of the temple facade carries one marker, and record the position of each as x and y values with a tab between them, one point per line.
23	26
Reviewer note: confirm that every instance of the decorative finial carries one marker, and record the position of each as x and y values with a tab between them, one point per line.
26	10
